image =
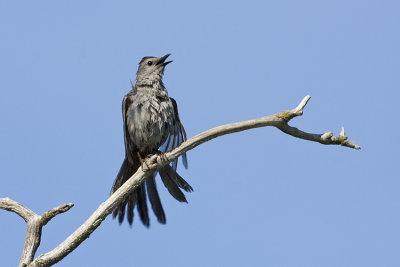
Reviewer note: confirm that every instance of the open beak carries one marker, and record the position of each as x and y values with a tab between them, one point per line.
161	61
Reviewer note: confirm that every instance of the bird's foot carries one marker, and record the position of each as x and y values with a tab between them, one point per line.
143	162
163	157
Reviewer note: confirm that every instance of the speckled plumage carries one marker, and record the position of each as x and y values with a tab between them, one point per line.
149	117
150	120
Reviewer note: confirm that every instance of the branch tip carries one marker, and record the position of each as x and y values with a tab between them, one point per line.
13	206
299	109
342	133
47	216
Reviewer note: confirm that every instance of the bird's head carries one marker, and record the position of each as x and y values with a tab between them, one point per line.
151	69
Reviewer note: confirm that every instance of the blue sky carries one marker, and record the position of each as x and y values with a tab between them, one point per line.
261	198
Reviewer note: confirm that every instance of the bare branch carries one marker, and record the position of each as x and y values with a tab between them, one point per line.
13	206
279	120
34	223
47	216
84	231
326	138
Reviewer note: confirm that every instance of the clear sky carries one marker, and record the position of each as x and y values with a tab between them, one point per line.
261	198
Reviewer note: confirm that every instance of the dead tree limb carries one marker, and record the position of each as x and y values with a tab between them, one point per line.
36	222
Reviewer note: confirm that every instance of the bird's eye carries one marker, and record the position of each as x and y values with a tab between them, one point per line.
149	63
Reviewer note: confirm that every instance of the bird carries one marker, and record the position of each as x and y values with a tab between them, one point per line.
151	125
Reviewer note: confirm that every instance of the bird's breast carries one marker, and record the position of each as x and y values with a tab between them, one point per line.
149	121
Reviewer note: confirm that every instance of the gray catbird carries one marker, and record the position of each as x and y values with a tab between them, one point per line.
151	125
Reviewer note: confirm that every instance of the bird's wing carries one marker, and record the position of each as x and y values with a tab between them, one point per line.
129	146
176	138
138	197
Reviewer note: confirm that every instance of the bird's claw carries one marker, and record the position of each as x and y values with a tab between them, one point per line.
143	163
163	157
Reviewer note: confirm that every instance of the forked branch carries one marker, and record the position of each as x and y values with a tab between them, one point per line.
34	222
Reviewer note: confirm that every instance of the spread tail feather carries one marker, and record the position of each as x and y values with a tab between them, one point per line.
155	199
172	181
137	197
